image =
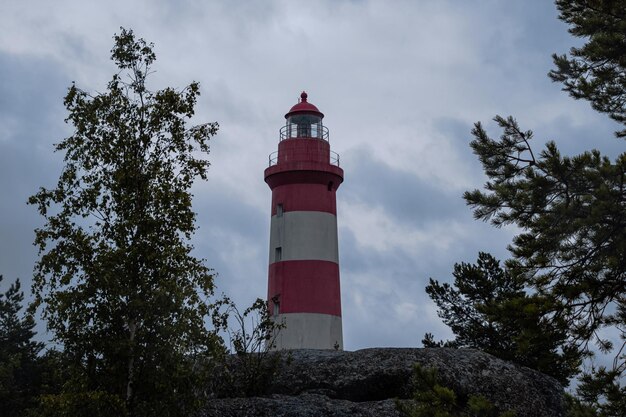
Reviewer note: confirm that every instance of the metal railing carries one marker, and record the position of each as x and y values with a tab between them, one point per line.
333	160
294	131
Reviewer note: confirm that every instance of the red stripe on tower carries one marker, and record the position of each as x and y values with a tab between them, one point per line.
304	259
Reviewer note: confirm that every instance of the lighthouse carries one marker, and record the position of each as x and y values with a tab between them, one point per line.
303	276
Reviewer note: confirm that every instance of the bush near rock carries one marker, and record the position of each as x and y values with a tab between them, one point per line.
320	383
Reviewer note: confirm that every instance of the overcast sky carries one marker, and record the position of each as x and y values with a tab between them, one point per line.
400	83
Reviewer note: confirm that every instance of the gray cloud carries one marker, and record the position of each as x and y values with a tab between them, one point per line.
402	195
400	83
30	88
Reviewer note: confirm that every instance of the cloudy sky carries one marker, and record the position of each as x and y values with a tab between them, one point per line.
400	82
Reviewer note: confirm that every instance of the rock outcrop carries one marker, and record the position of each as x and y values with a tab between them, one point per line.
368	382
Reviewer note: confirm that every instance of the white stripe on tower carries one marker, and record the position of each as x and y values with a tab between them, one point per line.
304	235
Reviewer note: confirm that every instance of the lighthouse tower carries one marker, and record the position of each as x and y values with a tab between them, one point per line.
303	287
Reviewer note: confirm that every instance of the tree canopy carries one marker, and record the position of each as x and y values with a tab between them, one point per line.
487	308
570	210
116	279
595	72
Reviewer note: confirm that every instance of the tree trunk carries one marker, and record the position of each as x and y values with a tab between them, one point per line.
132	328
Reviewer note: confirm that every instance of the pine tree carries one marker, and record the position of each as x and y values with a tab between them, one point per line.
571	210
20	367
487	308
595	72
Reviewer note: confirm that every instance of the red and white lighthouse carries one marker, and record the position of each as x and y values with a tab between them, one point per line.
303	287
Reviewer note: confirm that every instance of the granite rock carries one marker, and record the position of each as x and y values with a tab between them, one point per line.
368	382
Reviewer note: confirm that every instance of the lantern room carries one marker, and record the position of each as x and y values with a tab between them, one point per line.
304	120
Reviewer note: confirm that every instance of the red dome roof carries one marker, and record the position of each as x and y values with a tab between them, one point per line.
304	107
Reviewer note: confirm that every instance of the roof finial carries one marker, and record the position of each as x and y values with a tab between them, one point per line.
303	96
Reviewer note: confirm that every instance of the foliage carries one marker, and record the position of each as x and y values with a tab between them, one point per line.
574	407
261	338
596	71
573	218
479	288
249	371
487	309
571	210
81	404
116	280
431	399
65	391
20	366
605	384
